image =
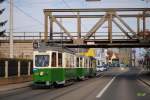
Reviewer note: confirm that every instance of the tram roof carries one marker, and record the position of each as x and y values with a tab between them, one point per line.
54	47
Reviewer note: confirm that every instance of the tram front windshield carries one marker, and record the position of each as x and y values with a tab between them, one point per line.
42	60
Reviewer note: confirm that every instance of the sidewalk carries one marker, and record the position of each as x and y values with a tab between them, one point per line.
145	77
14	80
14	86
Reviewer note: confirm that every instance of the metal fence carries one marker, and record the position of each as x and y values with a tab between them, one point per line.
15	67
61	35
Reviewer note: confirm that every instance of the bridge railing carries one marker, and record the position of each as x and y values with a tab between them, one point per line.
60	35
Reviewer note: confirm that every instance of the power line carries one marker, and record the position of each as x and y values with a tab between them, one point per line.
70	8
66	4
26	26
28	15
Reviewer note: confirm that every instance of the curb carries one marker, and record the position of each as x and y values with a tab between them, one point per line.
148	84
14	80
10	89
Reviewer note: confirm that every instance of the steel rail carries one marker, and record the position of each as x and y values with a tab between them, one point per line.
97	10
98	16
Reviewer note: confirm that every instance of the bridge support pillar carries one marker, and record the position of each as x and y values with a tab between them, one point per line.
110	26
51	28
46	27
78	25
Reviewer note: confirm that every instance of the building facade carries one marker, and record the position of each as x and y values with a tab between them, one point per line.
101	56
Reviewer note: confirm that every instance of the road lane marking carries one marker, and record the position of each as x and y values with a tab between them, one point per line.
105	88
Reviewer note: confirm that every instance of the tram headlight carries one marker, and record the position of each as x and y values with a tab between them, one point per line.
41	73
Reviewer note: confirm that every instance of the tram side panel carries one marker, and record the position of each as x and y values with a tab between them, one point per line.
68	64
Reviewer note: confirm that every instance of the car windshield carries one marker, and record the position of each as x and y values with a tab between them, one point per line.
42	60
99	66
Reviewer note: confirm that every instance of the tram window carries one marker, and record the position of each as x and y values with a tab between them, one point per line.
42	60
85	63
89	63
72	61
81	62
77	61
53	63
92	64
60	59
67	60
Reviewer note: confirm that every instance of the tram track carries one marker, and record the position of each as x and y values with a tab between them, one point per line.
82	88
91	88
28	93
39	92
59	92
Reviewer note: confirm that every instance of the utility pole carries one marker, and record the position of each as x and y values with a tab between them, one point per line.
130	57
11	29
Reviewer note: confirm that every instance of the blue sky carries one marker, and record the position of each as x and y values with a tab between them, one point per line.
31	20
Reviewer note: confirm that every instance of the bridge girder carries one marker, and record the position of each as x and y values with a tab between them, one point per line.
108	15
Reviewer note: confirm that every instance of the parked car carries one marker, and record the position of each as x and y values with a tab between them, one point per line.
106	66
101	68
122	65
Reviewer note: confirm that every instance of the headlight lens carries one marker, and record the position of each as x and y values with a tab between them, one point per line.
41	73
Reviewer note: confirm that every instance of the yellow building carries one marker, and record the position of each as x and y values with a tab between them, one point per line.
89	53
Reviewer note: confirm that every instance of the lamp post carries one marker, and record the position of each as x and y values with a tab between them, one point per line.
133	56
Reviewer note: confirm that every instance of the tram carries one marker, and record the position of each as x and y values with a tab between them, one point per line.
54	65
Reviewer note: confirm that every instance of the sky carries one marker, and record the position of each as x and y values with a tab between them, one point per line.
29	16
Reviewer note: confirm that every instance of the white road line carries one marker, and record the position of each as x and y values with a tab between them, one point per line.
105	88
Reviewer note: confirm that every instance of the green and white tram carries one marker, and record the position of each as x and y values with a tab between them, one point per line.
54	65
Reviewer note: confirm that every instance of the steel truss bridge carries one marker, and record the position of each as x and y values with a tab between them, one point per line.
89	39
128	37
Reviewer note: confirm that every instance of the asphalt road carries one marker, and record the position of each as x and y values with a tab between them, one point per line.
114	84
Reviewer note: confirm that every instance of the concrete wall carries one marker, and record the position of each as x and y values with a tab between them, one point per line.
21	50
